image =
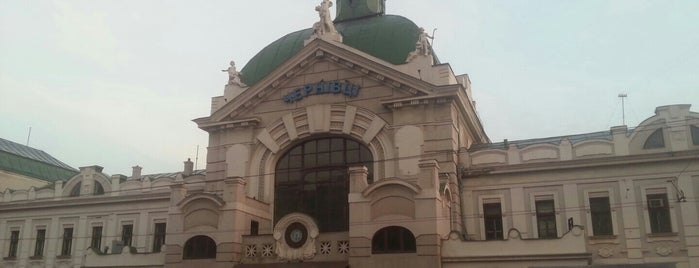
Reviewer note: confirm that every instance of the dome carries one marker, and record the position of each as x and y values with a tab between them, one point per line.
387	37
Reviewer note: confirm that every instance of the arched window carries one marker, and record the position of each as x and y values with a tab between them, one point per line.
199	247
312	178
76	189
98	189
393	239
655	140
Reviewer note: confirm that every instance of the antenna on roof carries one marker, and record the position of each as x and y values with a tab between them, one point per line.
29	135
196	159
623	109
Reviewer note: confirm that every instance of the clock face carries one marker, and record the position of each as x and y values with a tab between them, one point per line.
296	235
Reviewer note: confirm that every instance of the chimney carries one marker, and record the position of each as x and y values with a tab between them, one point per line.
188	168
136	174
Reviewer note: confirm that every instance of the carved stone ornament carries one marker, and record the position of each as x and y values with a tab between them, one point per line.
663	251
295	236
234	75
605	252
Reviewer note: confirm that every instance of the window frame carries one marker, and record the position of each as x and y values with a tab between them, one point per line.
543	196
39	242
159	237
199	242
407	241
488	199
597	193
670	208
13	248
67	241
127	233
96	238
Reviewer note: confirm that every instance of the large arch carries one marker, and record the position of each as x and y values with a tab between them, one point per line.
311	178
324	119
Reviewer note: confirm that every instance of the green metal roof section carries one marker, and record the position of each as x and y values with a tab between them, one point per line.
354	9
387	37
27	161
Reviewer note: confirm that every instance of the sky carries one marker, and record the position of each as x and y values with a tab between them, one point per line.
116	83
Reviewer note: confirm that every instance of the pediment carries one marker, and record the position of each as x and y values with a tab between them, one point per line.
322	72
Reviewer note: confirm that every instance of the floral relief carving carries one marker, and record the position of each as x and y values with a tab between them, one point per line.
605	252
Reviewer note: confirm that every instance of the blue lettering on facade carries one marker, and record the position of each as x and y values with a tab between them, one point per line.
332	87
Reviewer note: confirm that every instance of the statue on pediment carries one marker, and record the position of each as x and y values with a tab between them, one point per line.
234	75
325	25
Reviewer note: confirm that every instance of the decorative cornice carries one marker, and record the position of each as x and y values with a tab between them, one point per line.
243	123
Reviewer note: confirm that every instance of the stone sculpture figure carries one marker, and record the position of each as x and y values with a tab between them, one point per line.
233	75
422	46
325	25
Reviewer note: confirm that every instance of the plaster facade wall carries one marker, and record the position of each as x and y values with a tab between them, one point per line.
9	180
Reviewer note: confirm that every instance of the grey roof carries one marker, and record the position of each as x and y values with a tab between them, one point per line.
171	174
601	135
31	153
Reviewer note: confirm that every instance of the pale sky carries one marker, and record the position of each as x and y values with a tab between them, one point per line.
116	83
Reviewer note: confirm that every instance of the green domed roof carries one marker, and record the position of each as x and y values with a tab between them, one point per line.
387	37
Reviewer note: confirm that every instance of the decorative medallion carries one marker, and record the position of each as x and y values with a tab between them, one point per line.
251	251
325	247
663	251
295	236
605	252
267	250
343	247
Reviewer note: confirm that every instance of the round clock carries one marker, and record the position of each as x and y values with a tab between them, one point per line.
296	235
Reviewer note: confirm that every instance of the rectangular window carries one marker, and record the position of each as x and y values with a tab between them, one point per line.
14	243
254	228
96	242
39	245
158	237
546	219
127	234
492	220
67	244
601	215
659	213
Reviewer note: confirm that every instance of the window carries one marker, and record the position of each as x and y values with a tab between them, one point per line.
254	228
39	245
96	242
546	219
659	213
67	245
393	239
76	189
312	178
14	243
127	234
158	236
492	220
655	140
695	134
601	215
200	247
97	189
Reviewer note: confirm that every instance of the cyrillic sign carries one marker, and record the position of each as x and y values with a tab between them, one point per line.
331	87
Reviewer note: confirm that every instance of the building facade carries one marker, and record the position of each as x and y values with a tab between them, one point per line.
349	144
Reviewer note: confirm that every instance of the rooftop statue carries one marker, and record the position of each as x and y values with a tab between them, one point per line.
422	45
325	25
233	75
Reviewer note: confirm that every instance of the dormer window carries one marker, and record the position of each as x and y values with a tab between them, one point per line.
98	189
76	190
655	140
